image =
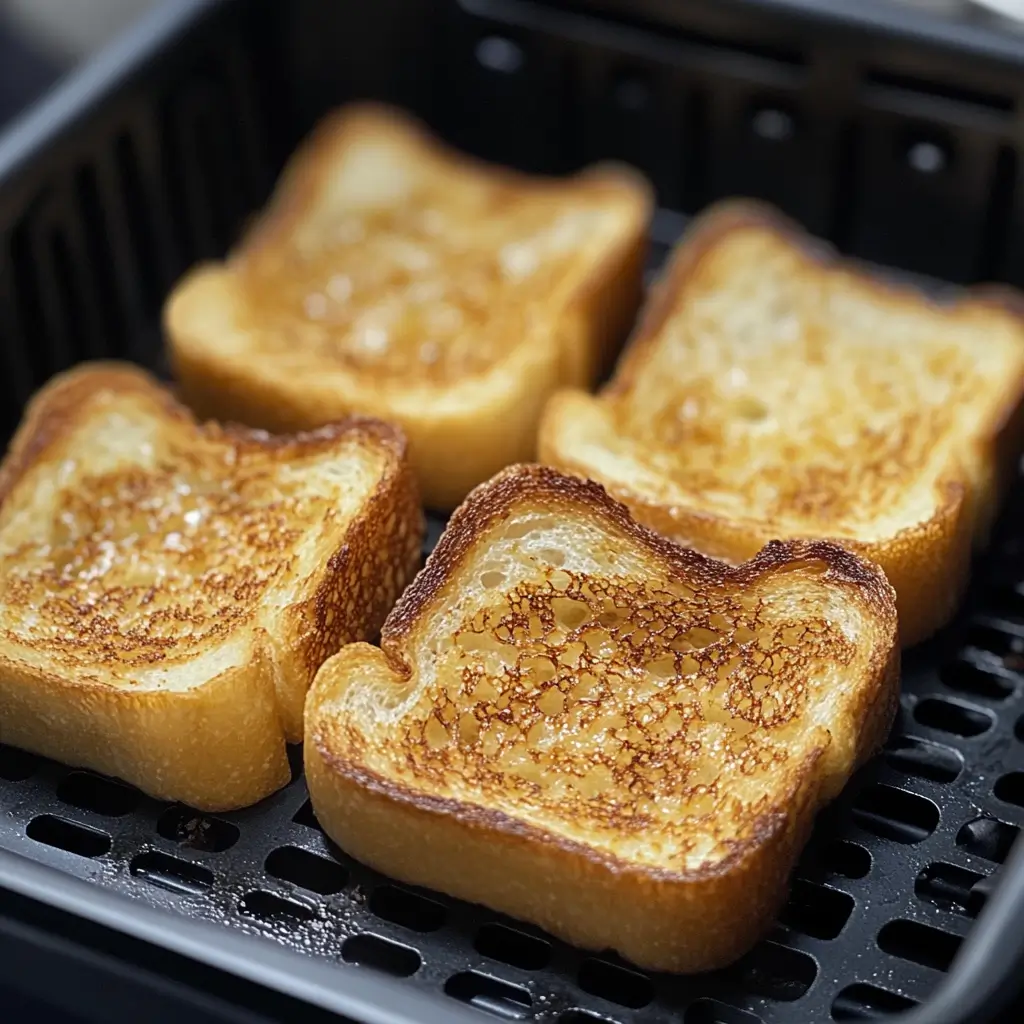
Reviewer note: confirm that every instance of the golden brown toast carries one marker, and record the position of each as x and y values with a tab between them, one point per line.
772	391
168	590
579	723
394	277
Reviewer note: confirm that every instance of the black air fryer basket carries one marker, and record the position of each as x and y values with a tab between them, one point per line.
898	135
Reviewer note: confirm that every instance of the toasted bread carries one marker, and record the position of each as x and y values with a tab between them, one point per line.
579	723
168	590
772	391
393	277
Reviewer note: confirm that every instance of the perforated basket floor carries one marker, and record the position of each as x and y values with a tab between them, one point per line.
891	882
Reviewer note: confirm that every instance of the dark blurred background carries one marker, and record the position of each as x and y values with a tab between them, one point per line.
41	40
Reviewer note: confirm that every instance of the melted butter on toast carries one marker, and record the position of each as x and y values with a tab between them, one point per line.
622	707
876	390
438	286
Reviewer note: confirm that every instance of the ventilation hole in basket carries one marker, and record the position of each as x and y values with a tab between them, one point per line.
167	872
95	793
711	1011
212	133
177	181
212	138
68	317
513	947
305	869
964	677
496	53
139	220
582	1017
953	717
987	837
197	831
918	757
101	286
950	888
382	955
614	983
68	835
773	123
269	907
842	857
919	943
777	972
16	765
895	814
631	91
1010	789
816	910
866	1002
409	909
1007	603
294	751
489	994
22	306
305	816
1006	645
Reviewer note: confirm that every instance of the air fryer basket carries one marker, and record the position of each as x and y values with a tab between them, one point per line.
895	135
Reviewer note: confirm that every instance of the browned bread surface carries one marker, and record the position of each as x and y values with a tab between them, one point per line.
394	277
583	725
772	391
168	590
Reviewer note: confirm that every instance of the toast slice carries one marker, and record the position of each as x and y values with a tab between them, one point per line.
393	277
772	391
168	590
579	723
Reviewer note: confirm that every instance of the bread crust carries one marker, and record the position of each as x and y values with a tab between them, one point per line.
220	742
928	562
460	432
662	919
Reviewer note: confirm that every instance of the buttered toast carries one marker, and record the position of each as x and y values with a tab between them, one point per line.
579	723
771	391
394	277
168	590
